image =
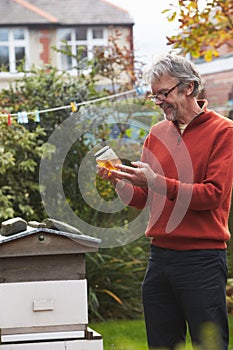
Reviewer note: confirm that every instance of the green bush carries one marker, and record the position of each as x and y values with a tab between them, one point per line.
114	277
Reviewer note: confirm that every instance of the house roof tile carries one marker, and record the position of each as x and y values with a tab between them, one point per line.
60	12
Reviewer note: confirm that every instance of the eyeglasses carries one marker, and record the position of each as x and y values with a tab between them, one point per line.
161	96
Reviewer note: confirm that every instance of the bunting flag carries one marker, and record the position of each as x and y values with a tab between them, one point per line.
23	117
140	90
9	119
37	117
19	119
74	107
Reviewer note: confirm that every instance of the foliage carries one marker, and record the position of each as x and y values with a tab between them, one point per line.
20	152
230	295
45	88
21	149
114	291
116	64
204	26
42	89
115	276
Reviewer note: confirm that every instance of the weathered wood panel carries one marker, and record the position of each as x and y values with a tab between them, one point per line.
44	243
42	268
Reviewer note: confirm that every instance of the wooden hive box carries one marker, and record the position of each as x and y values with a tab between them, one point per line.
43	285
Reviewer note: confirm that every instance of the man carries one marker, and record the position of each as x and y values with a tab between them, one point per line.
185	177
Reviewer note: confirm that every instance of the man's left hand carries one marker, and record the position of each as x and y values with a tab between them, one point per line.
140	174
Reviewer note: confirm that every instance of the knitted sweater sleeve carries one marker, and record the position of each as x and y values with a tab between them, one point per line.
217	184
134	196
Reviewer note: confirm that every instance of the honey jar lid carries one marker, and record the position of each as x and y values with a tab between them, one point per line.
101	151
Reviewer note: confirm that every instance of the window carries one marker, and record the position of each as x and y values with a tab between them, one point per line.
80	42
13	48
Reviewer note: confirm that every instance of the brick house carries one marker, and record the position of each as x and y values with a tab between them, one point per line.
30	28
218	81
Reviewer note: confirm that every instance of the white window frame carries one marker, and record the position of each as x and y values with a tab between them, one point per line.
11	44
90	43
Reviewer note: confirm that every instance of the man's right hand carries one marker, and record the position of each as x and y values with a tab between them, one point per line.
105	174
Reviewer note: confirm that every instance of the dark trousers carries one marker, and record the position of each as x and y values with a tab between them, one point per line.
185	288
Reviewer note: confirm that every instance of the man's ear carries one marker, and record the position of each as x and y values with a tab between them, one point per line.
190	88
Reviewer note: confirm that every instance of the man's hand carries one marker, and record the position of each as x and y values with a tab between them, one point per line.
140	174
105	174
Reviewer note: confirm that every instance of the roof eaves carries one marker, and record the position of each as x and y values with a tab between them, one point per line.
84	239
218	65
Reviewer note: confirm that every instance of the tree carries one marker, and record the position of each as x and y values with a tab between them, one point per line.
115	63
20	151
204	26
21	145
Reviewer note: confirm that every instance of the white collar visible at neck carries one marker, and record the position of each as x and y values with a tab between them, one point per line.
182	127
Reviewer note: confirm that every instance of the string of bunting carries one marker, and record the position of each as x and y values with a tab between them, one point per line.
22	117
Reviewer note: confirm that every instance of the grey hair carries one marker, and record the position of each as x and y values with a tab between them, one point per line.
176	66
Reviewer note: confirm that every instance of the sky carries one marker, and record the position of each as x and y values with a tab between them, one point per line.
151	26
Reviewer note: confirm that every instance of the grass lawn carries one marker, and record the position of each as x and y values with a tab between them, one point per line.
130	335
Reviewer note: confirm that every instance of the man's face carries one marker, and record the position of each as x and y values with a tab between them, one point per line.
167	97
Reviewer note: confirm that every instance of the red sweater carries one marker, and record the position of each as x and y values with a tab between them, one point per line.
190	200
